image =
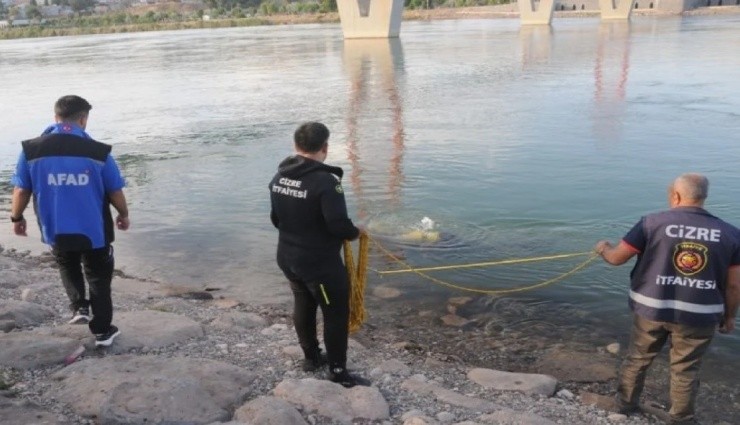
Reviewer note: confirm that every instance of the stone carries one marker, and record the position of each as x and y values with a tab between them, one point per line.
226	303
576	366
601	401
445	417
28	295
153	329
565	394
455	320
187	293
238	321
333	400
508	381
25	350
617	417
411	414
294	352
459	301
512	417
163	400
7	325
419	420
274	329
386	292
24	313
614	348
395	367
269	411
23	412
152	389
419	385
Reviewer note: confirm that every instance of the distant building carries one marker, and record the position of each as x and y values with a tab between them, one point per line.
53	11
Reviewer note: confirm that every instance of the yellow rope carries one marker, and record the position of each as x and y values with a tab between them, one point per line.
358	280
484	264
358	275
420	272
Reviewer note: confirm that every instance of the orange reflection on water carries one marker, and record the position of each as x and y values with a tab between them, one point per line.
361	59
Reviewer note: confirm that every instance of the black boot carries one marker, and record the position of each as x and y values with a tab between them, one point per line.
342	377
315	361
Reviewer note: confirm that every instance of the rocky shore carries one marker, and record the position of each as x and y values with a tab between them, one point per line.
195	357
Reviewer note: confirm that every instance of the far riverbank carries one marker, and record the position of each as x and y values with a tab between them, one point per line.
507	11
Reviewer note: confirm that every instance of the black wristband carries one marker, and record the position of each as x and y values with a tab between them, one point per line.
16	219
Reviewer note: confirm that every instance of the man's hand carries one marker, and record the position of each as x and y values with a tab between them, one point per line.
122	223
601	246
19	228
727	325
362	231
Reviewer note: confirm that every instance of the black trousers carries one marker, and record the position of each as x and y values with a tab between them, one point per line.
326	285
98	270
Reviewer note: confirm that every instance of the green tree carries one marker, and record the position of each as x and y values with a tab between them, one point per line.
33	12
328	6
80	5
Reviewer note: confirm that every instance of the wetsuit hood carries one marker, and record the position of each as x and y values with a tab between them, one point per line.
297	166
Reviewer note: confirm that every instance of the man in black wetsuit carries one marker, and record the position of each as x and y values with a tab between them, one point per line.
309	210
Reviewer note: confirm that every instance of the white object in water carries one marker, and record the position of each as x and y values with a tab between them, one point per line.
427	223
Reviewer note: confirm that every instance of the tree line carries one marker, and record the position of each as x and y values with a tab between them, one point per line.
84	14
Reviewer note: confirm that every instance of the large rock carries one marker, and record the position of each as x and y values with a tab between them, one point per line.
180	400
269	411
145	328
238	321
508	381
334	401
419	385
152	329
23	412
132	390
24	313
26	350
575	366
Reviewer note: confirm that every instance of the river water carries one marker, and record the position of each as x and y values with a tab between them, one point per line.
516	141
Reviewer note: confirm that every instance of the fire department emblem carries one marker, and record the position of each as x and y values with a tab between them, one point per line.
690	258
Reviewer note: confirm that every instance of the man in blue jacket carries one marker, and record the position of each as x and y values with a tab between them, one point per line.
74	180
685	283
309	210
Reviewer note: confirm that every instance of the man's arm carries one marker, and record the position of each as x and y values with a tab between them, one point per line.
20	200
118	200
615	255
334	209
732	299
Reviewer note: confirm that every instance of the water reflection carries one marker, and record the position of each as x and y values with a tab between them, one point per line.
611	72
375	104
536	44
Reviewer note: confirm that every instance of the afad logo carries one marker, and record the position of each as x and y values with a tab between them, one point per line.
690	258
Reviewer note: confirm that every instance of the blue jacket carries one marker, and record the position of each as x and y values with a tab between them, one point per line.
70	175
681	272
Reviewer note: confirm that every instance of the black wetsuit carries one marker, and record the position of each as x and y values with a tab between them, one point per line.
309	210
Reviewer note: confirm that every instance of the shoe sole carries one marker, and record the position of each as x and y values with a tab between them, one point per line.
80	320
107	342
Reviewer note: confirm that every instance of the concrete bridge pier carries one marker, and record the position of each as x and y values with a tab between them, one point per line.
370	18
616	9
541	16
